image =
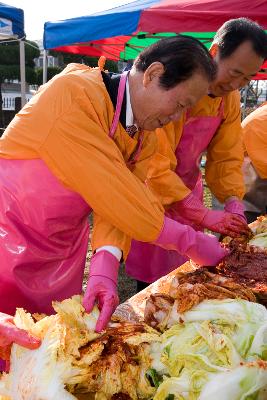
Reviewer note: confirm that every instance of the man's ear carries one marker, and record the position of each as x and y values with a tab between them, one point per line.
154	71
214	50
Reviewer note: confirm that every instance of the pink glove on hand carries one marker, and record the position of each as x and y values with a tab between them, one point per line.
201	248
102	287
9	334
235	206
222	222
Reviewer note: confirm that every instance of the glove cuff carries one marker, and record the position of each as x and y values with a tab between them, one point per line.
192	208
235	207
176	236
105	264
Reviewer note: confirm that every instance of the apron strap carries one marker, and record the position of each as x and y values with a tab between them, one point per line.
116	118
120	95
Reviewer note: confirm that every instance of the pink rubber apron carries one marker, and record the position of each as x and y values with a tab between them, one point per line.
147	262
44	237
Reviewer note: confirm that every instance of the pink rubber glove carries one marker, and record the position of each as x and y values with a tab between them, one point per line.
222	222
9	334
203	249
235	206
102	287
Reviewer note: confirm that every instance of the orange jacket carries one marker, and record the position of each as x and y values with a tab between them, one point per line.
255	139
66	124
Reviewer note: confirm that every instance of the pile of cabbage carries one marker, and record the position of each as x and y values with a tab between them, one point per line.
218	350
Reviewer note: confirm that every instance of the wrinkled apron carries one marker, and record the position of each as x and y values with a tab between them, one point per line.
147	262
43	237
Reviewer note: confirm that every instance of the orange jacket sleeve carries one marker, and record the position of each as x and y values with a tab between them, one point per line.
255	139
156	169
105	234
225	154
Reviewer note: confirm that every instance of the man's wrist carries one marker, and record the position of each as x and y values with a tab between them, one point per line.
105	264
115	251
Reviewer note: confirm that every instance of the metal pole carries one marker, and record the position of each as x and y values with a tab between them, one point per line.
22	72
45	66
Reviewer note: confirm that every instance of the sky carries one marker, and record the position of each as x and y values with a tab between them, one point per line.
37	12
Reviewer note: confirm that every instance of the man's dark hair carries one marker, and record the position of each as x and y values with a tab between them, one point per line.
181	56
235	32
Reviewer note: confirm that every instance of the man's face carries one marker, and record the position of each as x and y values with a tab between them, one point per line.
235	71
157	106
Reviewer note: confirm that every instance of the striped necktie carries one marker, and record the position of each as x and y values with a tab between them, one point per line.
131	130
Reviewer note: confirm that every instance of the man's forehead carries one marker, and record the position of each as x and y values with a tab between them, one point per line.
245	48
241	64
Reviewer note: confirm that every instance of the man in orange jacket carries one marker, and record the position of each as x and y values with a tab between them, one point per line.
212	126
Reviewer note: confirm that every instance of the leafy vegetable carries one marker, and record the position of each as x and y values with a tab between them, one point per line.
153	377
248	381
259	240
170	397
214	343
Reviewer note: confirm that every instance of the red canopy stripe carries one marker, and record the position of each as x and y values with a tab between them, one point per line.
199	15
110	47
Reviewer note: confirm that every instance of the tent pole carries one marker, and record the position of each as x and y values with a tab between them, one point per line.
22	72
45	66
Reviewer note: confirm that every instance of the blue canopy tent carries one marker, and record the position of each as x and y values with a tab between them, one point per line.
12	27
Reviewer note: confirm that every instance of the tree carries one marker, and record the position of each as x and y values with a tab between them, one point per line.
66	58
10	65
51	71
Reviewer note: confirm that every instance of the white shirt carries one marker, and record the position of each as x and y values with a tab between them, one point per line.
115	251
129	112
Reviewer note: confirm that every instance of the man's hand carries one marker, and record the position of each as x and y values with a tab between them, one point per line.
102	287
10	334
225	223
230	222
